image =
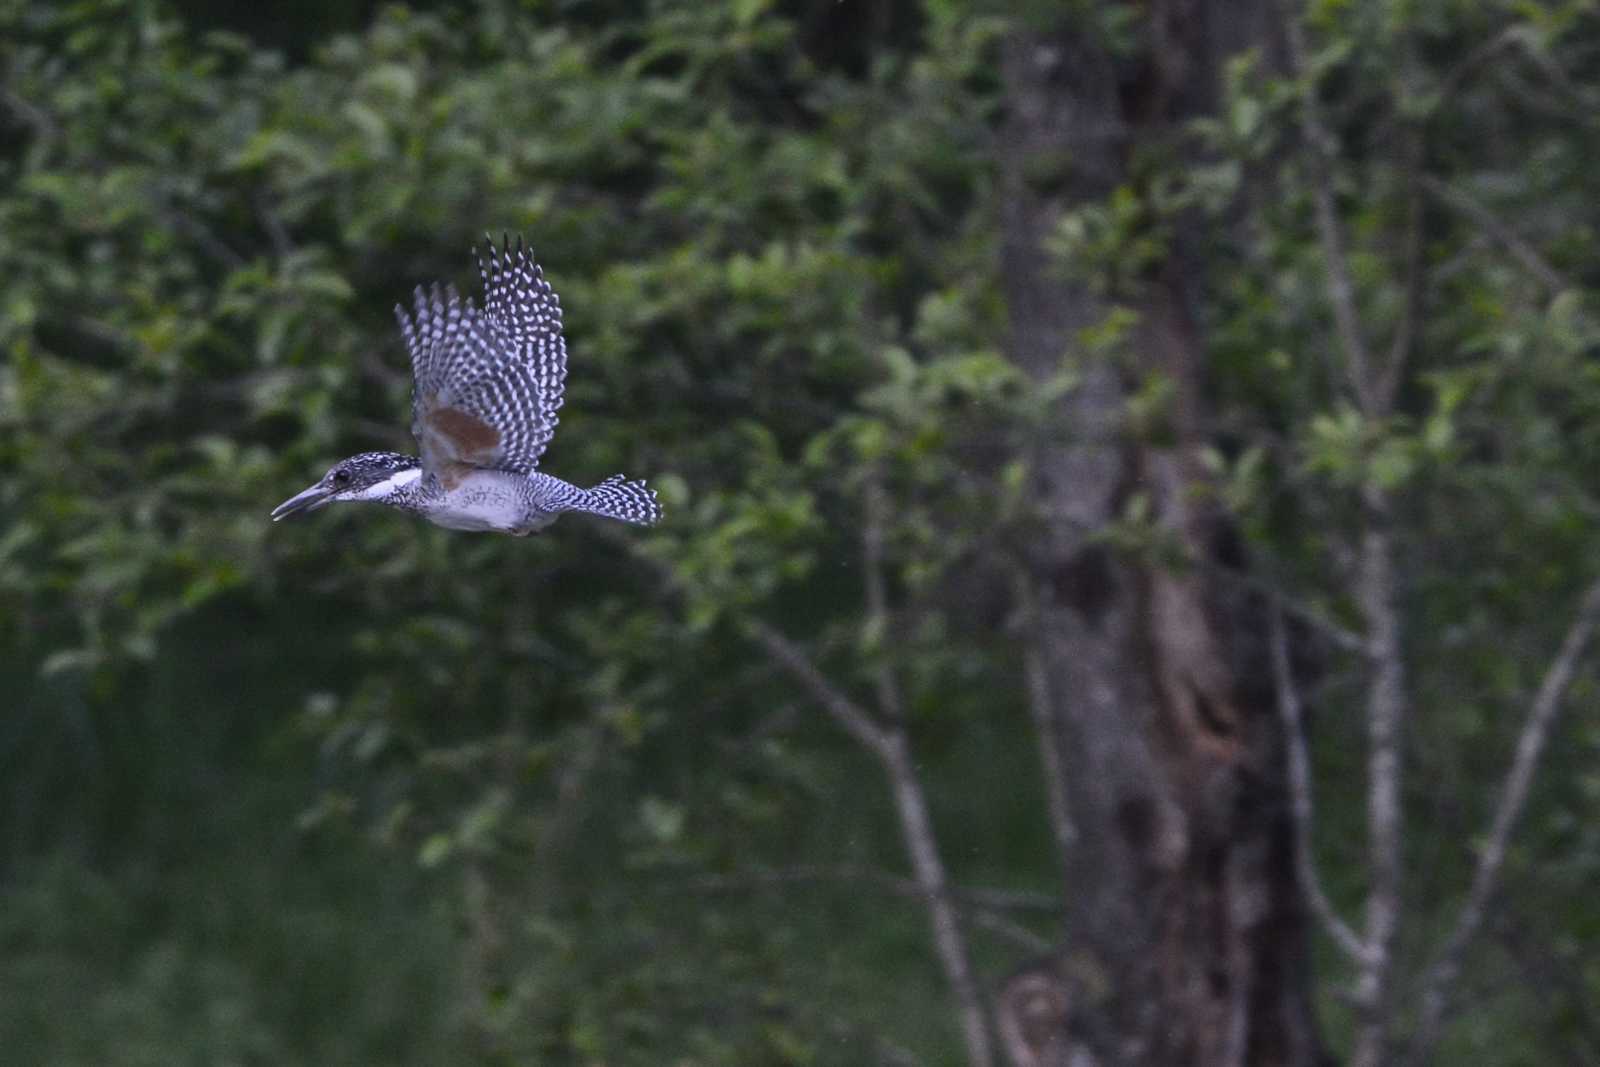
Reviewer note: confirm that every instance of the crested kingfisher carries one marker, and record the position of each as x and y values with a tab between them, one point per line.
486	386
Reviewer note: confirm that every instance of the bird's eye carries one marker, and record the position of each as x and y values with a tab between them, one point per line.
341	477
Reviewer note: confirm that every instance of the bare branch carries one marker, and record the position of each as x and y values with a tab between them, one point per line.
1047	728
1452	81
1457	75
1300	795
888	743
1386	698
32	114
1386	712
785	653
1347	640
851	1034
985	908
916	829
1411	310
1498	231
1558	970
1386	695
916	825
577	770
1341	288
997	899
846	712
1547	65
889	703
1047	725
1537	96
201	234
88	336
1446	966
991	898
277	233
1012	931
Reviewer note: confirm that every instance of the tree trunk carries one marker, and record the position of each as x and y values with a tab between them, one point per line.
1187	940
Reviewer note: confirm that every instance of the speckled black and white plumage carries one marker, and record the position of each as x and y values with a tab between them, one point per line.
519	504
505	366
487	387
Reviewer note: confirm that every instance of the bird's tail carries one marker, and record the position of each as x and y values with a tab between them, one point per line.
619	498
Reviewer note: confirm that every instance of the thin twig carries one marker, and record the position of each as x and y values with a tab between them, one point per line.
1498	231
846	712
916	827
1457	75
1386	699
911	802
998	899
1386	713
90	333
986	907
202	235
1452	81
1405	333
855	719
1009	929
1547	65
851	1034
1048	728
916	831
1558	971
872	534
1341	288
571	784
1301	796
1344	637
992	898
889	744
41	121
1535	97
1446	965
277	233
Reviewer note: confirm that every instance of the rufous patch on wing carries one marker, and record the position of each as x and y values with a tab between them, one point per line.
452	475
470	437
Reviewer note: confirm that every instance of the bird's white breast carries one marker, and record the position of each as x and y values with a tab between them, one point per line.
483	500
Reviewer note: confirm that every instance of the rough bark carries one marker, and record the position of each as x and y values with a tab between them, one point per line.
1187	939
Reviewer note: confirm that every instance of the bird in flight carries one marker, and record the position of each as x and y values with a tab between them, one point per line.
487	384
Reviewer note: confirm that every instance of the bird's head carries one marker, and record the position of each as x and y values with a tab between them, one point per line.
375	476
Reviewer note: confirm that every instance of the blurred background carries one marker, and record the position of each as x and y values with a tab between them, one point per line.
1130	506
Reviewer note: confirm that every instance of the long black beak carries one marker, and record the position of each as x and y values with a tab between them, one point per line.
310	500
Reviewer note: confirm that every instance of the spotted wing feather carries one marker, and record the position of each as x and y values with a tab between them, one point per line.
487	384
526	313
452	353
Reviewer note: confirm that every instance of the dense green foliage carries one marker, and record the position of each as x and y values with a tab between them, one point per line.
359	790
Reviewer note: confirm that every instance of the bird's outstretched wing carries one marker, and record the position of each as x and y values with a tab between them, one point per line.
487	384
526	312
